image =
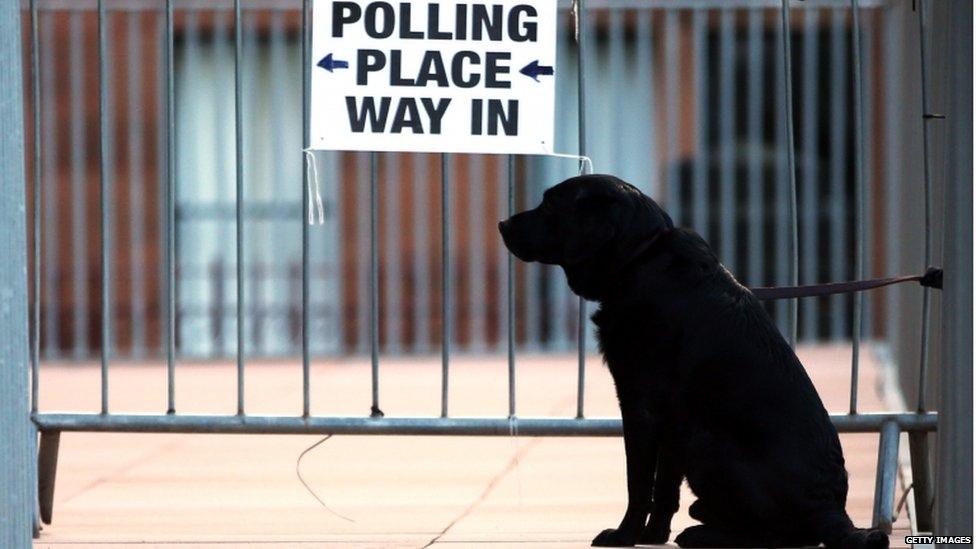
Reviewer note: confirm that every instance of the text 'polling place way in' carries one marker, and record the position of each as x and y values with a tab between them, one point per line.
439	76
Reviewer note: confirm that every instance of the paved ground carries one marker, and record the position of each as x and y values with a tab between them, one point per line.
228	490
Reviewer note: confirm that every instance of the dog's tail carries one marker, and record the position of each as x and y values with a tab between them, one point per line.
837	531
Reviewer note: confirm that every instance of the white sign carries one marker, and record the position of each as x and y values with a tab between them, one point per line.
433	76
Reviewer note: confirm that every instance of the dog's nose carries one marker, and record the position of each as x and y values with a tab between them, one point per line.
503	226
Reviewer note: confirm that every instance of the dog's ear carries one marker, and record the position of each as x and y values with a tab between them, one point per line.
662	217
595	222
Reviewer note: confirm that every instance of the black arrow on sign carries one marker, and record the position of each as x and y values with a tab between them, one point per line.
328	63
533	70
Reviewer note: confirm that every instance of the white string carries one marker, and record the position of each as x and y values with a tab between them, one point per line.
313	181
574	12
583	160
298	471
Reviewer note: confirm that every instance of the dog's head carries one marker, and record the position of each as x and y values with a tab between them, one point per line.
591	226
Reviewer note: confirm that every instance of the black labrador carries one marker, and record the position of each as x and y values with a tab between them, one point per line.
709	390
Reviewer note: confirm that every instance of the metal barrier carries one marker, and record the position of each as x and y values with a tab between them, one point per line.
50	425
700	87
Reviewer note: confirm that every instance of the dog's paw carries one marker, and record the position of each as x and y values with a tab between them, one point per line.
695	536
876	539
865	539
612	537
655	534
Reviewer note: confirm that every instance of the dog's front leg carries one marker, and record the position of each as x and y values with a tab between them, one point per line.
667	493
641	430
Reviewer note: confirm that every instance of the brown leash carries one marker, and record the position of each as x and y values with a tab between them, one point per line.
932	278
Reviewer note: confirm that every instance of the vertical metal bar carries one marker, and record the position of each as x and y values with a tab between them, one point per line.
919	442
306	378
16	446
446	286
374	290
52	284
35	343
239	199
700	165
727	110
104	197
838	165
927	164
510	294
858	199
170	225
810	163
754	110
887	474
672	110
36	105
793	249
581	113
581	358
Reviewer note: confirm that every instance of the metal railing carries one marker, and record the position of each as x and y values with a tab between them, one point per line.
51	425
714	154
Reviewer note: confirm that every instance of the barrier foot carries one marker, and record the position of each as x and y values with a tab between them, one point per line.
918	445
884	485
47	469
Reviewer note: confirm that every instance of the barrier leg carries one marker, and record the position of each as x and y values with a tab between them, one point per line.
918	445
884	486
47	469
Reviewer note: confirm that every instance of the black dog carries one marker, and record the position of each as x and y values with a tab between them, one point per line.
708	388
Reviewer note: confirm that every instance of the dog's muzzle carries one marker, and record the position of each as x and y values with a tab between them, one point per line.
509	236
